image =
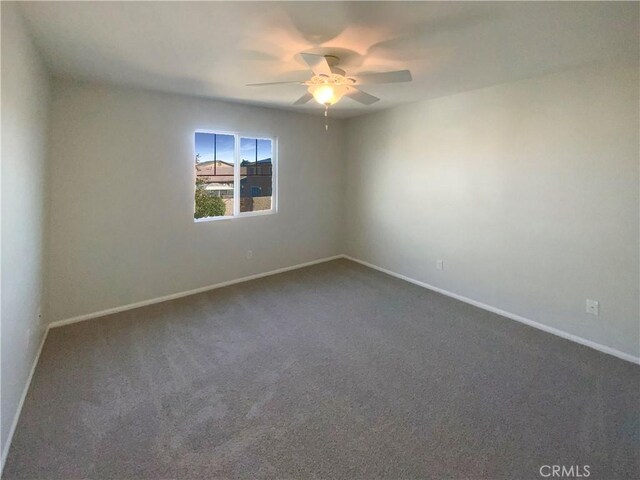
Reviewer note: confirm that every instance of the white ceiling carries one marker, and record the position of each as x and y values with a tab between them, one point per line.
213	49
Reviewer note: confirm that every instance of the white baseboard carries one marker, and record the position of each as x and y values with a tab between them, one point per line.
14	424
512	316
173	296
484	306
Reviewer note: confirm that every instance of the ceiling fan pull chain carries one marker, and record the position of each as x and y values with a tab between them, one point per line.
326	117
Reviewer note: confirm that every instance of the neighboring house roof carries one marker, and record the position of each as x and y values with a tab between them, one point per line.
222	172
220	168
210	162
253	162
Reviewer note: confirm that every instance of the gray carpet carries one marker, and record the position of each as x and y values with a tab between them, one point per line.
332	371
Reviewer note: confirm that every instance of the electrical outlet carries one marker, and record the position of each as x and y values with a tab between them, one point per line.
440	264
593	307
249	254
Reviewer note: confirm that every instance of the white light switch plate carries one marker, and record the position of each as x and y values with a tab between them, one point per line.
593	307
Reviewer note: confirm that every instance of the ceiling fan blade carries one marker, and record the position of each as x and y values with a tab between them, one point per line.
272	83
303	99
383	77
360	96
317	63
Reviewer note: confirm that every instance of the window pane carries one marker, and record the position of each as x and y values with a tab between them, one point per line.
215	156
256	172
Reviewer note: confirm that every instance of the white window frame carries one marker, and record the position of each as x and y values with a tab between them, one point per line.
236	176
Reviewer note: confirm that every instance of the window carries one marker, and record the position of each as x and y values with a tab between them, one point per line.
256	171
234	175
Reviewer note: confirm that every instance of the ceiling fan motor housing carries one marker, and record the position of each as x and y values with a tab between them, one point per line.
333	61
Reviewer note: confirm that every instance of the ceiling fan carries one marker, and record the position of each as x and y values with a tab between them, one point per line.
330	83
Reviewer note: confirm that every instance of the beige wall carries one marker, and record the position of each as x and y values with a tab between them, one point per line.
528	191
122	228
25	101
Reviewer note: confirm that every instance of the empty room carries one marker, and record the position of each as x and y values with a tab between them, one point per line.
320	240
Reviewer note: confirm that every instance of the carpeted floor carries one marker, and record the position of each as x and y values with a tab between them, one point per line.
332	371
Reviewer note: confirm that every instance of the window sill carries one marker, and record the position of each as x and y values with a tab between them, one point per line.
259	213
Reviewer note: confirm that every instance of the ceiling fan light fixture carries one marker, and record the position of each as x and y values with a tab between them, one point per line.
327	94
